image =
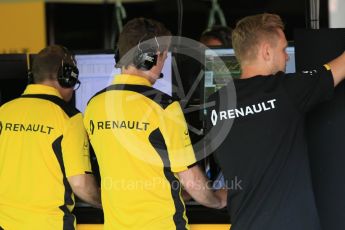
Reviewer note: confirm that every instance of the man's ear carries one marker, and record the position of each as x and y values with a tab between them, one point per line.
162	53
162	56
165	53
266	51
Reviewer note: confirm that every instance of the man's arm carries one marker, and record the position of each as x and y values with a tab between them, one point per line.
85	187
337	66
196	184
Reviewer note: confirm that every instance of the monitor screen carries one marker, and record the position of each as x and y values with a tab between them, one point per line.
13	76
13	66
96	71
218	64
291	64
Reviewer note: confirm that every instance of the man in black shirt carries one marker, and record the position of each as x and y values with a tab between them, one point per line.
265	154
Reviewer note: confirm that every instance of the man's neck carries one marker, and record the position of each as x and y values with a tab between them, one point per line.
249	71
133	71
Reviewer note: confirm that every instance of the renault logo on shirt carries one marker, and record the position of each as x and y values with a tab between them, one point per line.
120	124
17	127
243	111
92	127
214	117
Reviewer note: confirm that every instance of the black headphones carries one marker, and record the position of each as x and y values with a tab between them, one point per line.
144	58
67	74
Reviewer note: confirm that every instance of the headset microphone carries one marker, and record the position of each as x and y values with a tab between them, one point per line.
161	75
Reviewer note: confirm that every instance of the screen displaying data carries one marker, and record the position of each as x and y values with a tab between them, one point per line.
291	64
97	71
220	67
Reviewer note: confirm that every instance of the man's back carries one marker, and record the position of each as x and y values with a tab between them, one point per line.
264	157
34	191
137	141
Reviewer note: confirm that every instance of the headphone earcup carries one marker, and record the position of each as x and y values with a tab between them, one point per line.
68	75
137	60
145	61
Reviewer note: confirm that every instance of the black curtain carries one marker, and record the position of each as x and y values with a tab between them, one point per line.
325	127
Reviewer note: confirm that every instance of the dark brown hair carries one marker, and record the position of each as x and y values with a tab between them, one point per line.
139	30
48	61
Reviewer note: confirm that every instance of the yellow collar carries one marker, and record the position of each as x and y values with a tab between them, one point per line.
131	79
41	89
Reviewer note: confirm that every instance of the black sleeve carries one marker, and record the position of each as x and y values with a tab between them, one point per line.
308	88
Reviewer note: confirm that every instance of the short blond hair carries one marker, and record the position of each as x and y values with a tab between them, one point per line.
251	30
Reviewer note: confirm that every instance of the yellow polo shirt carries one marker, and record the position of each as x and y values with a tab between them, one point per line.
42	142
141	140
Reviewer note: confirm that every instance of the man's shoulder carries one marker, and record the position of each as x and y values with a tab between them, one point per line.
253	85
155	95
68	109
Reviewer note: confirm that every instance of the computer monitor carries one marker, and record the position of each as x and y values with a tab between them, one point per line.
96	71
220	67
291	64
13	76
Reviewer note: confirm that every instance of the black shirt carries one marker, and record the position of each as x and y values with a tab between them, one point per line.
264	155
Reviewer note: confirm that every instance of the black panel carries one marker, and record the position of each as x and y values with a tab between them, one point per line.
13	76
188	87
13	66
93	26
325	127
79	26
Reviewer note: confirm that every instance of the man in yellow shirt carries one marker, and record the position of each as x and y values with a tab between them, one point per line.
141	140
44	151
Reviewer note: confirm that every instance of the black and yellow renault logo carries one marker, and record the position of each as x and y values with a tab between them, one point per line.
92	127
